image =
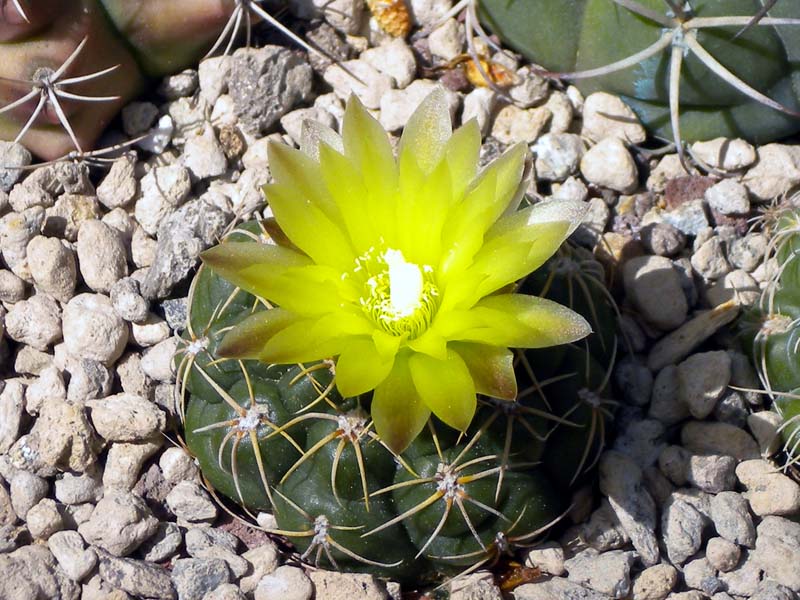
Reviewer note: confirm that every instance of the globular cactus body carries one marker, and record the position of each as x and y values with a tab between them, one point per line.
725	77
281	439
772	328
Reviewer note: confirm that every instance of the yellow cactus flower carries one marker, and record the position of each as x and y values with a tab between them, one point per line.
401	267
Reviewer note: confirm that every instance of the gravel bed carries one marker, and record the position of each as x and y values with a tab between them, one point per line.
98	502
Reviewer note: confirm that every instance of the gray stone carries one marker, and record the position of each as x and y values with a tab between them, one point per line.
53	267
12	156
31	573
138	578
12	409
193	577
665	404
190	502
92	329
709	260
654	583
181	239
556	589
119	524
653	285
642	441
124	463
722	554
286	583
341	586
547	557
163	544
26	491
212	543
75	559
700	575
732	409
225	591
128	301
126	418
607	572
203	154
603	531
769	590
732	519
43	519
702	379
164	189
662	239
744	578
77	489
689	218
711	473
88	380
778	550
270	81
621	481
728	197
35	322
769	492
102	255
747	252
718	438
557	155
682	530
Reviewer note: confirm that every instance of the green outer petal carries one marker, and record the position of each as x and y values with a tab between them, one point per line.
361	368
314	135
446	387
491	367
397	410
309	228
314	339
248	337
280	275
516	321
426	134
462	155
298	172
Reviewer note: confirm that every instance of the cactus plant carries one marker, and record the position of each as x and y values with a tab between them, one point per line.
327	377
69	67
691	70
772	328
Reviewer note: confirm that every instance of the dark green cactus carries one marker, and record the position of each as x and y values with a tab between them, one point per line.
735	60
281	439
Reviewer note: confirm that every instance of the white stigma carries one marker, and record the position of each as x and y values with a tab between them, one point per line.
405	284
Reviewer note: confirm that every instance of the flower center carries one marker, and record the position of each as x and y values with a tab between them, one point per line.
400	296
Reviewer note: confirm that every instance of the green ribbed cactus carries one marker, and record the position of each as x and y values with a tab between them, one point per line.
68	67
281	438
346	364
772	328
691	70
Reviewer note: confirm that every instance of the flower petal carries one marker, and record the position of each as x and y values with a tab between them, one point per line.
491	368
367	146
485	202
314	134
314	339
360	368
426	134
298	172
247	339
462	154
397	410
498	264
446	387
308	227
516	321
361	218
